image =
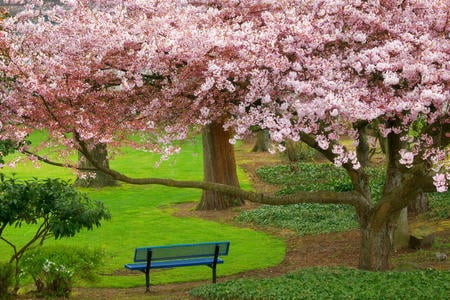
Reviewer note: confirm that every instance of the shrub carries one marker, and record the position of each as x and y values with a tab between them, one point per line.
6	279
54	269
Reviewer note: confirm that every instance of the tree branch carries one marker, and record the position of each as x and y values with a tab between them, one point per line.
323	197
53	163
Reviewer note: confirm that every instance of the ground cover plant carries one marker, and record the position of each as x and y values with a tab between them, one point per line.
334	283
309	218
142	216
303	218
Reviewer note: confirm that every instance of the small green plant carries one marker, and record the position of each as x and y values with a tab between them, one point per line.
54	269
314	177
6	279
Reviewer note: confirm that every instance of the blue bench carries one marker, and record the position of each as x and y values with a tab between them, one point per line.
180	255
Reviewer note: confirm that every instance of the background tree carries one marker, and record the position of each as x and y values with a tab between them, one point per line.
314	71
262	142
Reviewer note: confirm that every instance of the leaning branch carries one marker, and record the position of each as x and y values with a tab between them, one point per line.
54	163
323	197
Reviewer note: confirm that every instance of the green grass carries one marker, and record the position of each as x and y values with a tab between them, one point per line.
140	217
334	283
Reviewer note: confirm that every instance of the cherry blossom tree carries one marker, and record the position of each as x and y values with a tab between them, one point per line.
345	67
317	71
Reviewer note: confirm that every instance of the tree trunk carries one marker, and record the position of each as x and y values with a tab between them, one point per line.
377	243
219	165
418	206
95	178
294	150
262	141
401	234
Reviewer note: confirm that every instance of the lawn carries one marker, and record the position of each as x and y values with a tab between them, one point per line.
141	216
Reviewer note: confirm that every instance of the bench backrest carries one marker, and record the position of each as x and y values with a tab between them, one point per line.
181	251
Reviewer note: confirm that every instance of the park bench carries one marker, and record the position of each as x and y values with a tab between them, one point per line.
179	255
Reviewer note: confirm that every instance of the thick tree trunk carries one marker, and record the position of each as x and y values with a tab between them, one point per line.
377	243
219	165
95	178
262	141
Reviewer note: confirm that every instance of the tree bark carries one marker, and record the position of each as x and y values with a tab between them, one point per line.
418	206
219	166
294	150
377	243
262	141
401	234
95	178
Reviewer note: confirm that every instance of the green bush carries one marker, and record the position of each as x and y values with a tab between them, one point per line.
54	269
334	283
6	279
317	177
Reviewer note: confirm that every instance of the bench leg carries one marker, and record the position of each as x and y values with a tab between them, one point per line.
147	271
214	273
214	265
147	281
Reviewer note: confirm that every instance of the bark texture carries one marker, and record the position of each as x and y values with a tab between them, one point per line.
95	178
219	165
376	246
420	205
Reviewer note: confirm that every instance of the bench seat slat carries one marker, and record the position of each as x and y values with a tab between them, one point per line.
173	263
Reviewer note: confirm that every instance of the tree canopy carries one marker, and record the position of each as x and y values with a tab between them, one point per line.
91	72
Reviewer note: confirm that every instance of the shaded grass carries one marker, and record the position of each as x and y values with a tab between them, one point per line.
138	219
334	283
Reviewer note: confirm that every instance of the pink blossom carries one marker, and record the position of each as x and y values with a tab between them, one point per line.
322	141
407	158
